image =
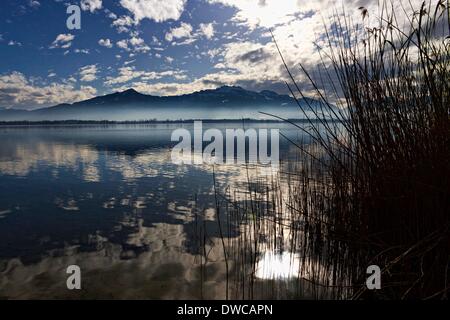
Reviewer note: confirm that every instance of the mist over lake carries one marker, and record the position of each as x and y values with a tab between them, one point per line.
222	103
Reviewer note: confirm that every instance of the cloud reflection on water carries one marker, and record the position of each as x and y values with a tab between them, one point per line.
121	210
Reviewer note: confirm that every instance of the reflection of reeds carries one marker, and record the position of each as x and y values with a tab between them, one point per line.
375	189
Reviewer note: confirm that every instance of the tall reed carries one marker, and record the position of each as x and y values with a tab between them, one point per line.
375	188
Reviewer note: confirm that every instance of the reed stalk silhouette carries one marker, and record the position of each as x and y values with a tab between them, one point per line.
373	185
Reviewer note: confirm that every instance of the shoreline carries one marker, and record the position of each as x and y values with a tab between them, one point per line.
140	122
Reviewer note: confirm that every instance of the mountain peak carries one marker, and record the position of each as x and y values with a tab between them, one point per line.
230	88
130	91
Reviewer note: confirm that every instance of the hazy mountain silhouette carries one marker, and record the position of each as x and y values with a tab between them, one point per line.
227	102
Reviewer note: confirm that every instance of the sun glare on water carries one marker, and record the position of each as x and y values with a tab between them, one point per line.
273	265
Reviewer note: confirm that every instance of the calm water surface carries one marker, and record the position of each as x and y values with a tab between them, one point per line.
109	199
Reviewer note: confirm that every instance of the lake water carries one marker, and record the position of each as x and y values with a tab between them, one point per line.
110	200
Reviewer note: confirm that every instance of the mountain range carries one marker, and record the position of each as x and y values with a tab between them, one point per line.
226	102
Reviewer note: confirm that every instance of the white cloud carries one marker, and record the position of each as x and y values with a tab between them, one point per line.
136	41
185	42
134	44
271	13
122	44
84	51
123	23
19	92
126	74
298	27
110	14
250	64
105	43
265	13
156	10
183	31
252	60
167	89
34	4
185	34
91	5
208	81
213	52
63	41
88	73
14	43
207	30
156	41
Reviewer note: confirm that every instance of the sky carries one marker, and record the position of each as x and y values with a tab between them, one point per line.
159	47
